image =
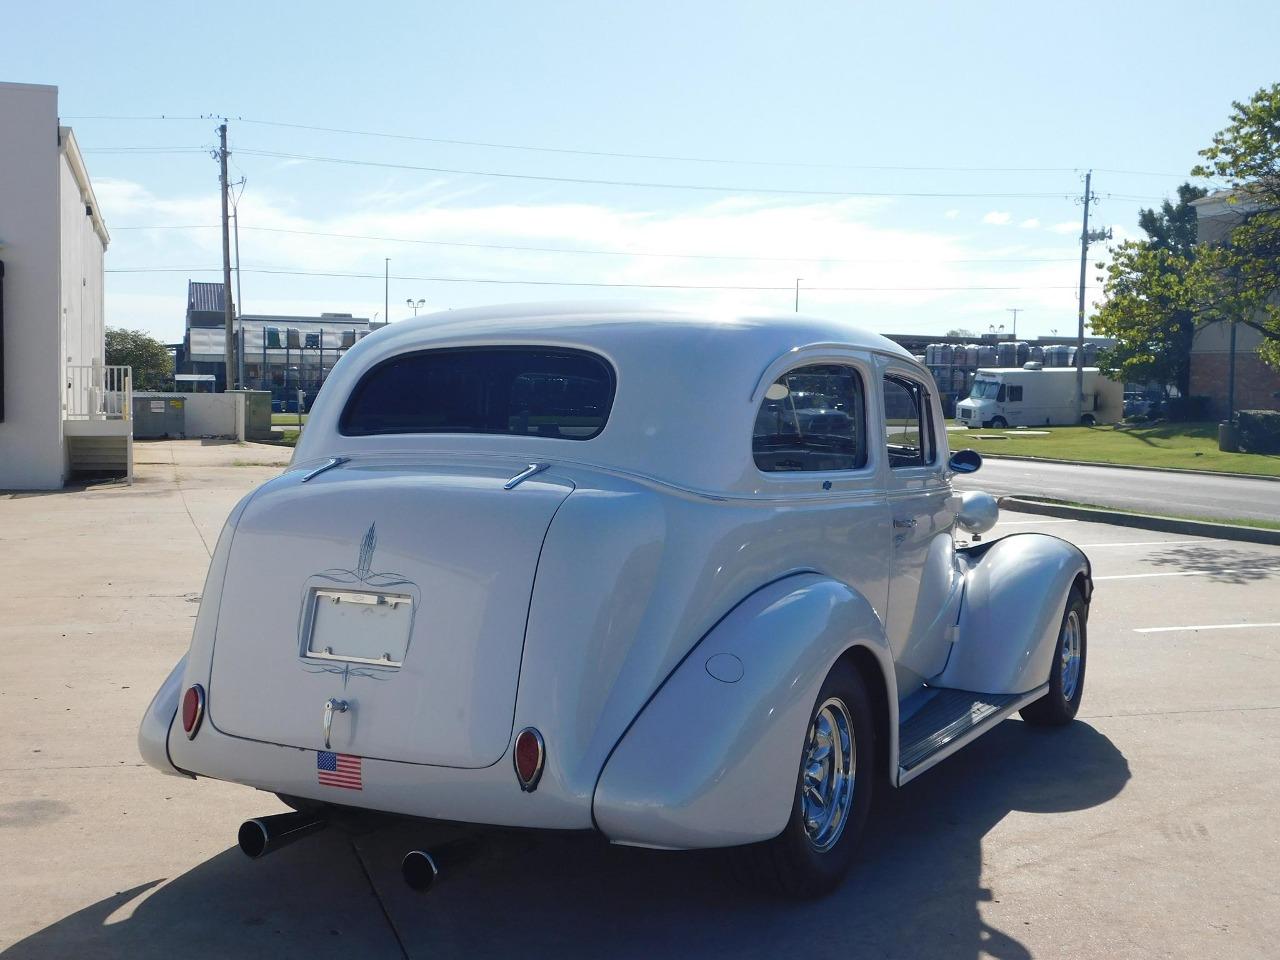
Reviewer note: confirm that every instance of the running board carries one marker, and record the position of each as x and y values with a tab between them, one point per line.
951	719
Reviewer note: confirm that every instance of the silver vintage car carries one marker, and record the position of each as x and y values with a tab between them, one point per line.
687	581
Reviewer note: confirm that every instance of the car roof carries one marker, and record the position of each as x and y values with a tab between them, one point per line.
612	325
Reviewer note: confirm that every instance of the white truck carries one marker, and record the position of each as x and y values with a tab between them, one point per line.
1036	397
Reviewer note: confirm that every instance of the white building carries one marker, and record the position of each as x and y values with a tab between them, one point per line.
61	407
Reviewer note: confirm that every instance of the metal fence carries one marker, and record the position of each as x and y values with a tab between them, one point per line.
96	391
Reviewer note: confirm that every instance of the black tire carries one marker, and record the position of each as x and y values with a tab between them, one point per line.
791	864
999	423
1055	709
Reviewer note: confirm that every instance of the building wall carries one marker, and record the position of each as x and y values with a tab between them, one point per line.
83	327
32	455
1256	383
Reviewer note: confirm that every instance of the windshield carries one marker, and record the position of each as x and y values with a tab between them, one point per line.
535	391
984	390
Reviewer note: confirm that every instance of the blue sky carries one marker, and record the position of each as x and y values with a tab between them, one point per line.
832	102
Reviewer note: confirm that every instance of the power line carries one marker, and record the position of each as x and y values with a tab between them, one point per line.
607	253
583	283
613	154
735	161
144	150
715	188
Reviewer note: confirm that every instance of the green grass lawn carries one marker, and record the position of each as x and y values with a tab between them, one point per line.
287	419
1187	446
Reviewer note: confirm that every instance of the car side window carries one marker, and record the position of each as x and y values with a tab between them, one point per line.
812	419
1015	394
908	427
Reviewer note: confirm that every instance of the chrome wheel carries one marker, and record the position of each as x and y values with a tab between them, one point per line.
827	774
1070	654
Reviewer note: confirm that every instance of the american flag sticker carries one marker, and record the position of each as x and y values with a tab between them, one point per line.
338	770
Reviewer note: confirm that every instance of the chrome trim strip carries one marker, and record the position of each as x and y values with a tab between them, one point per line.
525	474
905	776
328	465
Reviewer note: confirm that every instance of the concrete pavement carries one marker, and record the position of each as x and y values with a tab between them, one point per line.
1149	491
1145	829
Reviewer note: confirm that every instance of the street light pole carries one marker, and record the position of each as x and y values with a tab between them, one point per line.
798	279
386	289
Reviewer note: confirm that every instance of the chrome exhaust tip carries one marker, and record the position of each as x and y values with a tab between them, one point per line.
264	835
419	870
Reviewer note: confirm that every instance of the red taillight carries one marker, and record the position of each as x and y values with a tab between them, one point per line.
192	709
529	755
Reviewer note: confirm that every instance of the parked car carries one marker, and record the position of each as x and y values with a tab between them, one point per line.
657	605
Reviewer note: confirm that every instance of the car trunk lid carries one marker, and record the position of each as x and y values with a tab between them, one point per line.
401	590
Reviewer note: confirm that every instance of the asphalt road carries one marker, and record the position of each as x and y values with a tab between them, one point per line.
1144	491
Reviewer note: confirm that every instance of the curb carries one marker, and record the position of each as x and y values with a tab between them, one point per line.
1196	528
1133	466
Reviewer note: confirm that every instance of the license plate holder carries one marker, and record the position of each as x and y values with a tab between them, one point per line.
359	626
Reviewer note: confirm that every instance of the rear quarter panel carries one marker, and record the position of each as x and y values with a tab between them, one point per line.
633	576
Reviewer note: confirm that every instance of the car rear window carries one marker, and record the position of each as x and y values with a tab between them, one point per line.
526	391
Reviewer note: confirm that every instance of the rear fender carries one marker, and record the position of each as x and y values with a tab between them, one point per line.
153	735
1016	589
712	759
157	722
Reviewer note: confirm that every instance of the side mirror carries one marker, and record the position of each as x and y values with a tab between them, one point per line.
965	461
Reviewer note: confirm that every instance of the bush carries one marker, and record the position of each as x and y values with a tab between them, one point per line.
1187	409
1259	430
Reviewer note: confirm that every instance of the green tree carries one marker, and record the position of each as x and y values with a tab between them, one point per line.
1240	278
152	365
1149	308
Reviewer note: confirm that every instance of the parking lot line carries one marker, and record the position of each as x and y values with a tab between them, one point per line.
1212	626
1186	573
1149	543
1025	523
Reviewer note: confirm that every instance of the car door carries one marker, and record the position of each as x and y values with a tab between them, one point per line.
924	585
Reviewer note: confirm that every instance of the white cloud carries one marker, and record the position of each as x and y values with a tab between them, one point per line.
997	217
836	243
951	214
1029	224
1067	226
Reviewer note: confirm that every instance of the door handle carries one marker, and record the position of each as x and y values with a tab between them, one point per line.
904	524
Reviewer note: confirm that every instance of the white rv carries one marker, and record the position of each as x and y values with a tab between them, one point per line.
1035	397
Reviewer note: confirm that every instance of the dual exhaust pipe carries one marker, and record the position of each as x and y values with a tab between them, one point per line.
263	835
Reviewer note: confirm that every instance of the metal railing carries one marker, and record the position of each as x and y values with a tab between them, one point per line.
96	391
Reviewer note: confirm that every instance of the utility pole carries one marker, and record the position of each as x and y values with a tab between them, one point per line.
798	279
239	301
386	290
1086	237
1015	311
227	305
